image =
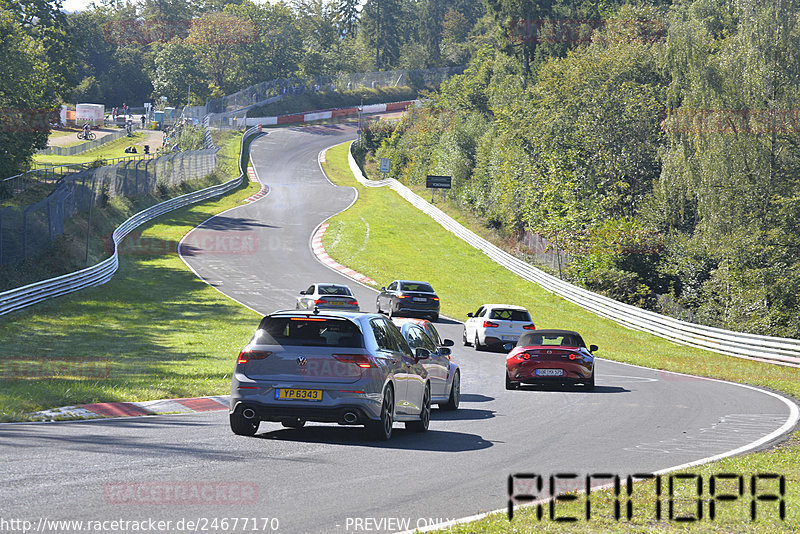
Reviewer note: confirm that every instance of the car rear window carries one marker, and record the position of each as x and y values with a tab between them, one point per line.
510	315
334	290
550	340
410	286
309	332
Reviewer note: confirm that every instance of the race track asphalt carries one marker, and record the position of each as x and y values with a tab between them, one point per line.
324	477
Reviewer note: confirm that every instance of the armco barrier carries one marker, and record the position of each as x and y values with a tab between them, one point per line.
324	114
21	297
776	350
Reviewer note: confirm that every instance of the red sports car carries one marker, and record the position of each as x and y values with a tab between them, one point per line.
550	357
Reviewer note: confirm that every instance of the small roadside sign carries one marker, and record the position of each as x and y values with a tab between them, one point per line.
438	182
386	164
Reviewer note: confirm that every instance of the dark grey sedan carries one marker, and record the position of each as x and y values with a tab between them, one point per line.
408	298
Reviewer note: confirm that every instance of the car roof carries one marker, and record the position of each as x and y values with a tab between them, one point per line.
412	282
353	315
409	320
330	284
509	306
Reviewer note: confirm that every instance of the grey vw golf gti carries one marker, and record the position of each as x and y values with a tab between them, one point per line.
342	367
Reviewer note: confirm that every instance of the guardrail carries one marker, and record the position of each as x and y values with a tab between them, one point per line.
21	297
776	350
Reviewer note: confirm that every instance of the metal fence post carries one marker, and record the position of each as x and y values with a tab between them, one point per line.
89	222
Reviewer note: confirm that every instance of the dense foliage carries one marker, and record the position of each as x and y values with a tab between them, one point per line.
118	53
659	148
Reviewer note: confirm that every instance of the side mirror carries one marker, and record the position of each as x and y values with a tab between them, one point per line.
508	347
383	289
469	314
592	348
448	343
444	351
422	354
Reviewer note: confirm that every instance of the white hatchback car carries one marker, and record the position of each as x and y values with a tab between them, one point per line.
495	325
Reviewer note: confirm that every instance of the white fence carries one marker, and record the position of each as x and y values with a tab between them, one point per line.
21	297
776	350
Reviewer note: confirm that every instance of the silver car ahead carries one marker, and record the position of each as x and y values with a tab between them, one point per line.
443	372
349	368
327	296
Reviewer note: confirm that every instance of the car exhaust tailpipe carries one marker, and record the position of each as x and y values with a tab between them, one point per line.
350	417
248	413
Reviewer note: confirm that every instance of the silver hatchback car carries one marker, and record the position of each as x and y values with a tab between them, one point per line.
349	368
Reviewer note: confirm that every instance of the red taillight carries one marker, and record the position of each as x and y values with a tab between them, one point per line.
248	387
434	298
352	302
529	327
252	355
362	360
402	296
490	324
320	301
571	356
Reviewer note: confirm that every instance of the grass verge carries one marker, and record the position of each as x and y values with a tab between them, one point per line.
110	150
372	238
154	331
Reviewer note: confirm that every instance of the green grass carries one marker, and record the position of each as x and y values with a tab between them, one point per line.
372	238
165	332
112	149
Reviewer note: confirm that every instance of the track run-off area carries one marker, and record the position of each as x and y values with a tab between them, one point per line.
324	476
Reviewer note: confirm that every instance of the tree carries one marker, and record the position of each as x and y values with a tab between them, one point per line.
521	21
380	22
26	96
347	16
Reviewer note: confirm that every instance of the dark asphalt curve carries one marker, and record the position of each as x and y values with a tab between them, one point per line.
327	478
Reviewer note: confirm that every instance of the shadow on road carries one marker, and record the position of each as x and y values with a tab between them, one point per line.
234	223
577	389
462	414
432	440
475	397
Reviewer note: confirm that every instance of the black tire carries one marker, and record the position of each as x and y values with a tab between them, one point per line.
299	423
378	305
464	337
425	414
477	342
391	313
91	136
434	317
382	430
590	383
455	394
243	427
509	384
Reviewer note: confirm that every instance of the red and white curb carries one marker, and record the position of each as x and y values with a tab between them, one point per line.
251	173
134	409
319	252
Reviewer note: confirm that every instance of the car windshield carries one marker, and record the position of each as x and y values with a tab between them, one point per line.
334	290
416	286
309	331
550	340
510	315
